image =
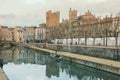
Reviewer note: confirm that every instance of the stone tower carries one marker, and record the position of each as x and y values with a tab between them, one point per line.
72	14
52	18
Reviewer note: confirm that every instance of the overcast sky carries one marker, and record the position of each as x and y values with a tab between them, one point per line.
33	12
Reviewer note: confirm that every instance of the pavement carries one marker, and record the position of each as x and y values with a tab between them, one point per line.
91	46
93	59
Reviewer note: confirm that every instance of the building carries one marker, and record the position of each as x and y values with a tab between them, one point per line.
29	34
5	33
88	18
72	14
40	33
52	18
0	34
18	34
88	26
11	34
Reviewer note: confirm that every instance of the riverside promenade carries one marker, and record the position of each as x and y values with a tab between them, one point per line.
99	63
3	75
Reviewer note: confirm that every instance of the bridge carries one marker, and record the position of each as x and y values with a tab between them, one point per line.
6	44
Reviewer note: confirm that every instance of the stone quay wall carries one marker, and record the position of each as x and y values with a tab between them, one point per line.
99	63
112	53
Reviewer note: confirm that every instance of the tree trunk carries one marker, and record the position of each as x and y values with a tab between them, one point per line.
104	41
93	41
78	41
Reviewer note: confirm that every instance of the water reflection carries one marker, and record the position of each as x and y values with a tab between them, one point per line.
52	70
25	64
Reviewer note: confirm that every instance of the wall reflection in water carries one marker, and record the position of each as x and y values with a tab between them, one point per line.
54	70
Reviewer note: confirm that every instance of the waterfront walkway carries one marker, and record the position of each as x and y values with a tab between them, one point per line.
2	75
107	62
85	46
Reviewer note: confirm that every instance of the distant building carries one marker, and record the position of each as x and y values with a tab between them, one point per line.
18	34
72	14
86	24
52	18
0	34
29	34
11	34
5	33
40	32
88	17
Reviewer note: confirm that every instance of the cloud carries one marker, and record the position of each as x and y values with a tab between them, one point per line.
7	16
33	12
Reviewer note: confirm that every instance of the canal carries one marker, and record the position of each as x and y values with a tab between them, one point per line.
27	64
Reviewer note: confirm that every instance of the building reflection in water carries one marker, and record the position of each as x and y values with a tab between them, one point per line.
53	67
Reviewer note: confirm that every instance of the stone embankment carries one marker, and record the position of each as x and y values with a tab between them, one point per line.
109	52
6	44
95	62
2	75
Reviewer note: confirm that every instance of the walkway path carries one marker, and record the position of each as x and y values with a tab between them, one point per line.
91	46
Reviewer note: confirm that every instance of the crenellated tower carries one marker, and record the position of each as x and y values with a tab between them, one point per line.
72	14
52	18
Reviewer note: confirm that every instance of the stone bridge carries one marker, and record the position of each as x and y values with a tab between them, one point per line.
6	44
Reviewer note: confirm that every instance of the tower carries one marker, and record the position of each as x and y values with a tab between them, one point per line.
72	14
52	18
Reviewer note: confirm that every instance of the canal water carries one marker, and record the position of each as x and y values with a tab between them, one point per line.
26	64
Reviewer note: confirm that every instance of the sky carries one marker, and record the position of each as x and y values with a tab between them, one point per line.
33	12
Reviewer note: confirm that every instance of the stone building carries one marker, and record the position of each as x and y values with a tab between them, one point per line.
29	34
40	32
88	16
0	34
5	33
18	34
89	26
11	33
52	18
72	14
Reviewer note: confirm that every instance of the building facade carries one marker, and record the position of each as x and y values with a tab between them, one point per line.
18	34
5	33
88	26
40	33
72	14
29	34
52	18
